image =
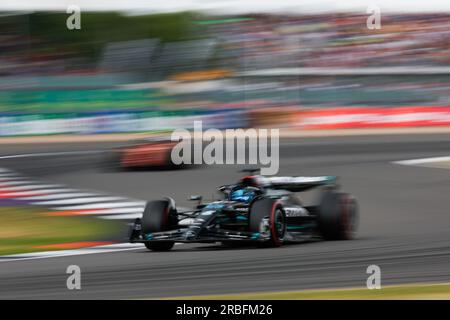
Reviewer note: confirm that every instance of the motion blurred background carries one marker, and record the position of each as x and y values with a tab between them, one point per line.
138	68
137	71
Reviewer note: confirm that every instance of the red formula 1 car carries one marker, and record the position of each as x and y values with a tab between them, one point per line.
150	152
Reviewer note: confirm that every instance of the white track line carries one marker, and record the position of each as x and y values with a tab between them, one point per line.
8	175
36	187
122	216
18	182
26	193
65	253
413	162
104	206
9	179
119	211
79	201
49	154
58	196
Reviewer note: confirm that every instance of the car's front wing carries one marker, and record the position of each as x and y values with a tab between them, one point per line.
188	235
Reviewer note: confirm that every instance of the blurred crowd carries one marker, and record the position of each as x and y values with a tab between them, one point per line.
254	42
336	41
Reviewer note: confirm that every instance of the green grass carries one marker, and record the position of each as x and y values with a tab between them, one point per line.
24	229
400	292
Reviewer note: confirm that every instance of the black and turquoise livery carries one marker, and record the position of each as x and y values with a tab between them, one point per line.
257	209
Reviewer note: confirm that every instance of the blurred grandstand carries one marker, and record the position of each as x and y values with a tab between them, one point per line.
188	65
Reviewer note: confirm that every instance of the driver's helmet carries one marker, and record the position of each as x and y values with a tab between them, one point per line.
243	194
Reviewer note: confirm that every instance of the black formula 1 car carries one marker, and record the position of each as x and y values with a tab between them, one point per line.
258	209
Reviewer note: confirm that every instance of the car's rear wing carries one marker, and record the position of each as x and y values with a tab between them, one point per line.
298	184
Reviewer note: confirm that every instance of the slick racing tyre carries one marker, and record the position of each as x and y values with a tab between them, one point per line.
160	246
338	216
266	216
159	215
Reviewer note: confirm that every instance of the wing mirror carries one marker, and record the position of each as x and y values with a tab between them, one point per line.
224	189
196	198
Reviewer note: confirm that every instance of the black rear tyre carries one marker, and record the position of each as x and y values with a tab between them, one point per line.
267	216
160	245
338	216
159	215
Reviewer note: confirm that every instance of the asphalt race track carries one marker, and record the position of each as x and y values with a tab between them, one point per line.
404	224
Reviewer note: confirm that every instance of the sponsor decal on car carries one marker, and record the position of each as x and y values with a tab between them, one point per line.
295	212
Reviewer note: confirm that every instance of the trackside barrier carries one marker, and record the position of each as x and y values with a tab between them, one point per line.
365	117
117	122
280	117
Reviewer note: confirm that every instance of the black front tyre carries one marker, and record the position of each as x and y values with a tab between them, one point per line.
267	216
338	216
159	215
160	245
